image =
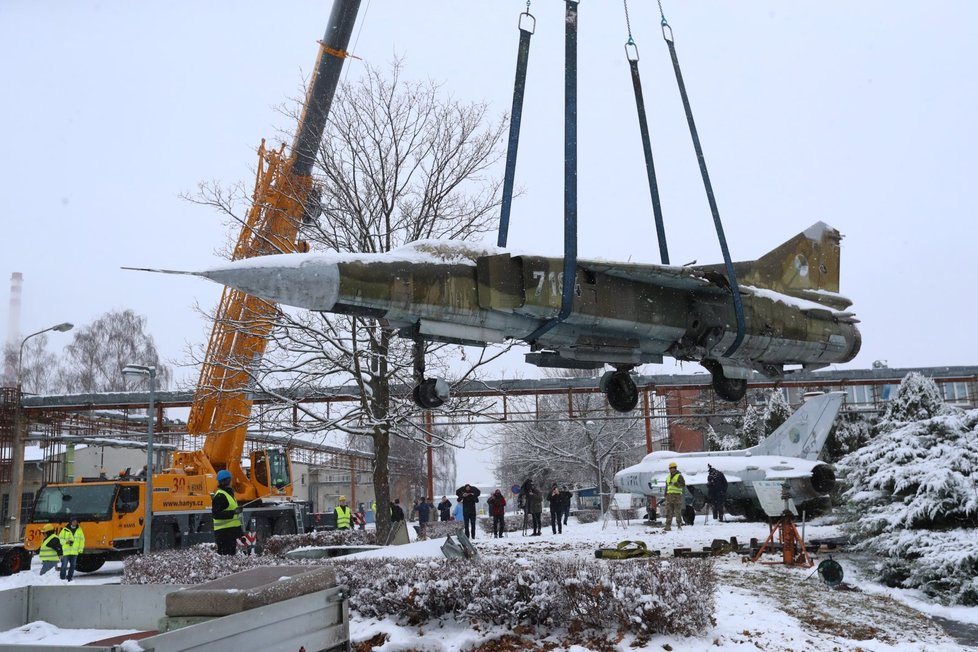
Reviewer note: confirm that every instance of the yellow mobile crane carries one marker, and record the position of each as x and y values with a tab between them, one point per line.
111	511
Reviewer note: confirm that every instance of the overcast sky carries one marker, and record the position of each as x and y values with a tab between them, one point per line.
861	115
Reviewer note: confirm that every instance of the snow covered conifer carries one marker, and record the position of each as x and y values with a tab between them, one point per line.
912	496
776	412
918	397
753	428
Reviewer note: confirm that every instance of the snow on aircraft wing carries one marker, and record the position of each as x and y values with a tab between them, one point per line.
670	276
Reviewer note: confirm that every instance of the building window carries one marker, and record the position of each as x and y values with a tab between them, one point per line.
889	391
859	394
4	508
955	392
26	503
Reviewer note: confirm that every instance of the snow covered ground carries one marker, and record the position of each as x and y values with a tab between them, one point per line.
42	633
769	607
766	607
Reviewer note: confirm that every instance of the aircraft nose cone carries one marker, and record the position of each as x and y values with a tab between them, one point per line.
291	279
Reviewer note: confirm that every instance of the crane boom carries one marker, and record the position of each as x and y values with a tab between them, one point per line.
242	323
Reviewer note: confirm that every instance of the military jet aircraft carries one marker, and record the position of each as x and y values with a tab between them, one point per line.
623	314
789	454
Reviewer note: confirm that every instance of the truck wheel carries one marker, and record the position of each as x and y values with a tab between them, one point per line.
263	530
90	563
284	525
15	561
163	538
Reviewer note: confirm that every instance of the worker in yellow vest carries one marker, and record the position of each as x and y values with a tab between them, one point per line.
342	511
675	484
226	513
50	552
72	544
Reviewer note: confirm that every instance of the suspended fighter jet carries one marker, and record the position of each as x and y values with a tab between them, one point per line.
788	455
623	314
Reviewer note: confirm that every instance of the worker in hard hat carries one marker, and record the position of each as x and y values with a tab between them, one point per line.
72	544
50	551
342	511
226	513
675	484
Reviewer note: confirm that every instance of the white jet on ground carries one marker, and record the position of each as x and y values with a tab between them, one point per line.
789	454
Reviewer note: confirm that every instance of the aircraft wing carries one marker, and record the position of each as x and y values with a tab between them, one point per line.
694	479
670	276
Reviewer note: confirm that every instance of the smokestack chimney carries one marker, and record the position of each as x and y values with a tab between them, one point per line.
13	328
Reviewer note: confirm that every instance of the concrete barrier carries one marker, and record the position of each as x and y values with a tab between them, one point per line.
272	608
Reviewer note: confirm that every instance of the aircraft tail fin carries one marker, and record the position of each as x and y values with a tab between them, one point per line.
804	433
806	266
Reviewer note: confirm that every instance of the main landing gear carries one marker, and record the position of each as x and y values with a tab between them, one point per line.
729	389
428	393
431	393
620	389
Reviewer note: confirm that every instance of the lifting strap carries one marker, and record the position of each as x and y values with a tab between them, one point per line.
570	173
731	275
527	26
631	53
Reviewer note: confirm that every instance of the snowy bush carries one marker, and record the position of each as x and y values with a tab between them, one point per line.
637	596
442	529
912	498
633	596
587	515
281	544
190	566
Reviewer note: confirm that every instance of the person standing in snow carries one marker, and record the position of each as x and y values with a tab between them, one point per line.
469	496
534	505
675	484
716	485
226	514
565	505
72	544
457	510
50	551
414	509
424	509
397	514
497	509
445	509
556	501
342	511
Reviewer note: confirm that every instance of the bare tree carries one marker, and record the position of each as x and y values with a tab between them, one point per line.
39	371
94	359
586	449
398	163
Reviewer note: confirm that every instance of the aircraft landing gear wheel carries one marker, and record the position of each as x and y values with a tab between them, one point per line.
621	391
729	389
431	393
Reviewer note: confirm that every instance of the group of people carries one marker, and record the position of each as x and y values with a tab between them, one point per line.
716	491
559	500
61	548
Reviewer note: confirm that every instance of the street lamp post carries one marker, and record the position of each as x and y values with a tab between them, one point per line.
150	372
17	463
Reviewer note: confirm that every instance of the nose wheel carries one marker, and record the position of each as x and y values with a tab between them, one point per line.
620	390
431	393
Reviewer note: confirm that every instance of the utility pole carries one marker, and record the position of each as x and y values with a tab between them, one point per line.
150	372
20	432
